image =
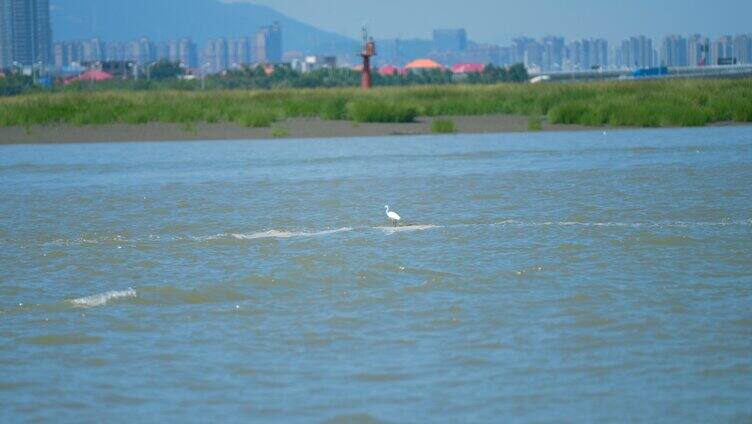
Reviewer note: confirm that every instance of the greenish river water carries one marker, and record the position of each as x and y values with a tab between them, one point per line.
580	276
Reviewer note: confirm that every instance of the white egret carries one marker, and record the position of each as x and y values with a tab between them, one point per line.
393	216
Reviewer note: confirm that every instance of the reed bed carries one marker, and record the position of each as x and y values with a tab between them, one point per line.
627	103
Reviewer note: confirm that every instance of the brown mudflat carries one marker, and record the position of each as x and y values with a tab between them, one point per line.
292	128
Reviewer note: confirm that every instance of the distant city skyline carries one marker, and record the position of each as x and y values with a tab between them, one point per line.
448	48
27	35
499	21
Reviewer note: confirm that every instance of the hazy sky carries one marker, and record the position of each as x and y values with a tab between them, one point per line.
499	20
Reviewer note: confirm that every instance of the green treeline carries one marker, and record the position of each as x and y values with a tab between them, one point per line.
164	76
628	103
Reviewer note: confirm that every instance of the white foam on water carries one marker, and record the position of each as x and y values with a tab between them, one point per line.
506	222
392	230
512	222
75	242
407	228
117	238
705	224
209	238
288	234
594	224
102	298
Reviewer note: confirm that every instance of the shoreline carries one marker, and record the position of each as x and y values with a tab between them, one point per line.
293	128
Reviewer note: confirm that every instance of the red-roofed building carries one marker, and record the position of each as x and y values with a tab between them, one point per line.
468	68
90	76
390	70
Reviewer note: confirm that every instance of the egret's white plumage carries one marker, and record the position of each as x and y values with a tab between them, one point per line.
393	216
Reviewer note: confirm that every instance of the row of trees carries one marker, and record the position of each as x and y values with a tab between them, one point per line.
496	74
284	77
165	75
13	84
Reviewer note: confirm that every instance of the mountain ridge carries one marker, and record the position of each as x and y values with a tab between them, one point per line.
120	21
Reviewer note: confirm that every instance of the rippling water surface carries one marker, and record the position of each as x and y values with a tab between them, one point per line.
536	276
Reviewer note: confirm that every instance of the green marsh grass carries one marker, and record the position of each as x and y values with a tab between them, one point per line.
258	118
443	126
534	123
375	110
624	103
279	132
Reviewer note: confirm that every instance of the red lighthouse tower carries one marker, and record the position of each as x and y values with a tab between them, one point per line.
369	49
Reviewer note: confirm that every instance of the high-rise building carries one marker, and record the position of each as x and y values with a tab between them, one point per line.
173	51
644	53
25	32
188	53
68	53
588	54
527	51
240	52
115	51
722	50
142	51
5	35
505	56
74	51
449	40
59	55
148	51
399	52
674	51
483	54
620	54
182	51
636	52
93	50
534	55
600	53
163	51
743	48
215	55
698	48
519	49
574	56
553	53
268	48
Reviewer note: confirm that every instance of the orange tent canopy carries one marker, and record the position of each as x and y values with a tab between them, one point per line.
423	64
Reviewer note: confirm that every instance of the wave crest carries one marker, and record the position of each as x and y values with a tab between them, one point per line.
287	234
407	228
102	298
